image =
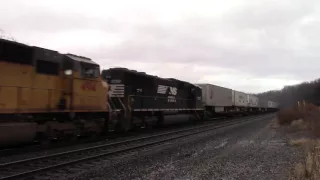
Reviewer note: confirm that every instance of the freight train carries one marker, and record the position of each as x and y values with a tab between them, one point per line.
46	95
221	100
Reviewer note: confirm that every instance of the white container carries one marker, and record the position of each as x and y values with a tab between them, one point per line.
216	96
272	104
269	104
239	99
253	101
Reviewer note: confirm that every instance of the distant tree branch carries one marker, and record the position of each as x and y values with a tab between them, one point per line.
3	35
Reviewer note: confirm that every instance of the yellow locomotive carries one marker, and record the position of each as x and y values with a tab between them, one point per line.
47	95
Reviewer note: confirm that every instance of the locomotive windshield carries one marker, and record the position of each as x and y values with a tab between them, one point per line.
85	66
90	72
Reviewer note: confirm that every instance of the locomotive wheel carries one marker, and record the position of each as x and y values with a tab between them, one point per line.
123	125
146	124
105	131
194	118
204	116
160	120
45	137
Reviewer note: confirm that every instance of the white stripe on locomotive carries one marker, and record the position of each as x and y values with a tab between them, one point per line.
116	90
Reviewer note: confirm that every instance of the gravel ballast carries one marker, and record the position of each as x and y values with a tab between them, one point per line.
250	150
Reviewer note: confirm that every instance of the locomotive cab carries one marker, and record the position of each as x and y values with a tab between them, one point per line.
82	85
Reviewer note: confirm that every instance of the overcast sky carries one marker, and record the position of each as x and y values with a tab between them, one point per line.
249	45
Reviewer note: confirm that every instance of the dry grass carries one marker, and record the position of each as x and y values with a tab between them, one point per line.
301	118
299	142
299	125
313	121
304	118
310	167
299	171
286	116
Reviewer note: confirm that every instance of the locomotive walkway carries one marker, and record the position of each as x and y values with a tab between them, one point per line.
55	165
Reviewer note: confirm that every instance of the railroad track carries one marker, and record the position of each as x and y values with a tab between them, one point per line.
29	148
43	165
87	140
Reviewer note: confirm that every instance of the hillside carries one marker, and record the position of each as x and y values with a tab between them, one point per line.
289	95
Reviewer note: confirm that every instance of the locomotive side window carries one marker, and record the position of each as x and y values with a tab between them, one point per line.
15	52
47	67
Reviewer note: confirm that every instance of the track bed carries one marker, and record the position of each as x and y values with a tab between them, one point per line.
250	150
65	160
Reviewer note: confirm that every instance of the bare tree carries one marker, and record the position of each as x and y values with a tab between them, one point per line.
289	95
4	35
1	33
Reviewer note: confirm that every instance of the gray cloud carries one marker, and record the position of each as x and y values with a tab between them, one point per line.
47	21
265	39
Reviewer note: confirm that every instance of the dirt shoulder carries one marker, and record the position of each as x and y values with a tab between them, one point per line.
250	150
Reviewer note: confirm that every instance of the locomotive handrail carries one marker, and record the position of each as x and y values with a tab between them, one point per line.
158	97
129	104
123	106
183	101
110	104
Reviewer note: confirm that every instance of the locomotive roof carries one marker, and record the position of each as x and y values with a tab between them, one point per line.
71	56
149	75
174	79
45	49
13	42
81	58
133	71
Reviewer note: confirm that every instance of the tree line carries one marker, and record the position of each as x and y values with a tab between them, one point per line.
288	96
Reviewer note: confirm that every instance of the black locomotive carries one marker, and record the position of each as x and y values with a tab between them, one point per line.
135	96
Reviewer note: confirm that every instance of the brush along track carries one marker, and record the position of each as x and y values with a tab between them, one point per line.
37	166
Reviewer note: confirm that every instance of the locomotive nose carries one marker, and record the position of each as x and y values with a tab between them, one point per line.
105	85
